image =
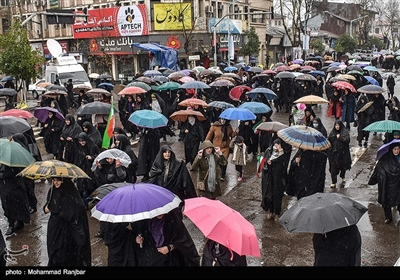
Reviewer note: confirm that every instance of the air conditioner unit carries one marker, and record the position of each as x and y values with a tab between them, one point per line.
209	9
220	6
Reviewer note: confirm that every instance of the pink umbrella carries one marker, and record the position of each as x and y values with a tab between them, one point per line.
186	79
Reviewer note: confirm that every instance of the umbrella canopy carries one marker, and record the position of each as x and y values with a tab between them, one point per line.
77	88
14	154
207	72
195	85
230	68
98	91
355	72
94	75
322	213
142	85
103	190
256	107
304	137
131	90
52	168
54	93
305	77
385	148
176	75
198	69
371	89
107	86
383	126
269	71
115	154
7	92
169	86
148	118
354	67
146	80
190	102
344	85
237	114
333	68
11	125
388	74
42	113
135	202
53	87
182	115
347	77
18	113
231	75
222	83
104	76
224	225
236	92
273	126
316	73
283	68
311	99
365	107
95	107
220	104
160	79
44	84
255	69
186	79
285	75
7	78
152	73
370	68
371	80
268	93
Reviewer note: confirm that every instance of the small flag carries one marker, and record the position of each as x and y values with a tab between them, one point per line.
108	133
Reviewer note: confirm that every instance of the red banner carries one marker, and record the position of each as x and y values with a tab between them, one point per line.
112	22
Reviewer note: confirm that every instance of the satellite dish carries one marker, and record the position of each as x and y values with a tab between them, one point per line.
54	47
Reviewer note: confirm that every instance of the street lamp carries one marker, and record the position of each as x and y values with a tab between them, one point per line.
229	33
351	24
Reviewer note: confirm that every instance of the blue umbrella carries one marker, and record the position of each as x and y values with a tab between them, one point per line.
230	68
304	137
109	86
237	114
269	94
370	68
148	118
7	78
256	107
371	80
317	72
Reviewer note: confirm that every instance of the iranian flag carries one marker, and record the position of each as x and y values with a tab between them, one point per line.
108	133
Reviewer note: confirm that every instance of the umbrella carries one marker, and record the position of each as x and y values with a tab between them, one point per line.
269	71
198	69
256	107
176	75
131	90
304	137
236	92
370	68
322	213
371	80
207	72
344	85
43	84
388	74
152	73
7	78
190	102
13	154
222	83
94	75
355	68
385	148
99	91
237	114
371	89
146	80
311	99
42	113
104	76
18	113
142	85
285	75
273	126
269	94
336	79
232	75
95	107
220	104
298	61
7	92
283	68
347	77
365	107
305	77
135	202
169	86
230	68
224	225
255	69
295	66
182	115
54	93
11	125
307	68
109	86
316	73
195	85
333	68
115	154
355	72
53	87
77	88
383	126
52	168
99	193
160	79
186	79
148	118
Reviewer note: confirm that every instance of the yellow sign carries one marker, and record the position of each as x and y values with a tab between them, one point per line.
173	16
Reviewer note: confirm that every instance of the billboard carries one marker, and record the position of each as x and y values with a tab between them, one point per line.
234	25
112	22
173	16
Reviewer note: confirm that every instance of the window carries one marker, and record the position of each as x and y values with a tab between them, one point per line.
376	30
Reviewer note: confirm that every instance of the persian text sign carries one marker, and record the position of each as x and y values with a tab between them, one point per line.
112	22
173	16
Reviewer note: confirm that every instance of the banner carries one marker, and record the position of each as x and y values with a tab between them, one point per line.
173	16
108	133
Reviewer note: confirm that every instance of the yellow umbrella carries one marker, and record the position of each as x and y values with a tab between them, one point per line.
347	77
52	168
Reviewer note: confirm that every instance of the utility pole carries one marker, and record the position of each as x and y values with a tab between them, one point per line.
351	24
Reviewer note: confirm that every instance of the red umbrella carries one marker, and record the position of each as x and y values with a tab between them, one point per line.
131	90
224	225
237	91
344	85
17	113
269	71
283	68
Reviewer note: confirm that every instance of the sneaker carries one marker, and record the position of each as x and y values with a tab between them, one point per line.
333	186
240	179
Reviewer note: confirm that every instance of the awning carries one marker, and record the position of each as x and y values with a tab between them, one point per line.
163	55
275	41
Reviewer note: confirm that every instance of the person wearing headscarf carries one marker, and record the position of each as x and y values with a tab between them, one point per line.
169	172
123	143
69	139
216	254
165	241
309	116
363	120
93	133
335	105
54	104
68	237
192	134
209	161
348	108
117	131
149	145
339	153
393	105
379	112
318	125
387	175
239	155
51	132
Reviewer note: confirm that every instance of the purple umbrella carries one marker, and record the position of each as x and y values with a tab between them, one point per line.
385	148
135	202
42	113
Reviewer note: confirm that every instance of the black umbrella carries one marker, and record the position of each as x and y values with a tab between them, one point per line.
7	78
95	107
104	76
102	191
7	92
371	89
11	125
56	88
354	67
285	75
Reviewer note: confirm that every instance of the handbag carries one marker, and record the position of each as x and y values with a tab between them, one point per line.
201	185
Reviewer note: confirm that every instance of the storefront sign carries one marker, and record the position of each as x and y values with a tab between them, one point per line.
112	22
173	16
234	25
121	44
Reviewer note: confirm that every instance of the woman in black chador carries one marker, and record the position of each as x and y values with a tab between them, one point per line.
51	132
192	133
148	149
69	139
215	254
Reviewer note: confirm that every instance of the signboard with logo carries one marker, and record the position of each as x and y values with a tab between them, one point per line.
112	22
121	44
234	25
173	16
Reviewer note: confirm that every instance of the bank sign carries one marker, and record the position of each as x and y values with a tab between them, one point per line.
112	22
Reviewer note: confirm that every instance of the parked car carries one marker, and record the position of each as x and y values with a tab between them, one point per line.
35	90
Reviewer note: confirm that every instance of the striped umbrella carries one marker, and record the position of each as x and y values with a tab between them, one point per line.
304	137
220	104
383	126
52	168
371	89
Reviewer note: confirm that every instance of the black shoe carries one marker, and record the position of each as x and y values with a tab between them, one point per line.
19	225
365	144
360	144
9	231
99	234
388	221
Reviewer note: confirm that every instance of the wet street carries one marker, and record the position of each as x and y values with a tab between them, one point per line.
380	242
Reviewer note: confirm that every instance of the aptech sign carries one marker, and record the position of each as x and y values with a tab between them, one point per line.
112	22
173	16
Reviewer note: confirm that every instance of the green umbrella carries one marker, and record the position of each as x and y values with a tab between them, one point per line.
142	85
14	155
169	86
383	126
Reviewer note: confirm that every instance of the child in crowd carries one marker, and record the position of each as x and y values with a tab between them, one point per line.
239	156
